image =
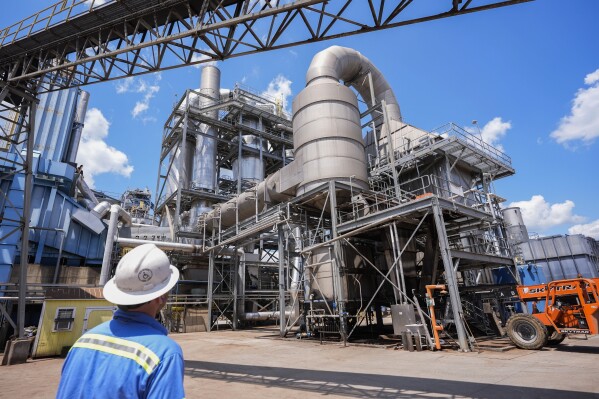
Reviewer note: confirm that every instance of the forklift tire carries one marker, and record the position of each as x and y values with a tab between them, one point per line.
555	338
527	332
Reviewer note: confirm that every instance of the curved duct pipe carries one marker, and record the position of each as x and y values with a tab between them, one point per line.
116	213
101	209
348	65
88	195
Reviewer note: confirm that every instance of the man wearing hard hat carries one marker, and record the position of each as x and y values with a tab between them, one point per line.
129	356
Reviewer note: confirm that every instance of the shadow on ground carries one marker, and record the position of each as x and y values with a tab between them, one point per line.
363	385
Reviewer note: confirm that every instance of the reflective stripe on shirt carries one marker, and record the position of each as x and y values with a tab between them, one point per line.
120	347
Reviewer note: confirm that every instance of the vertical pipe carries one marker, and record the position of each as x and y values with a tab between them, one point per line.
281	251
106	260
25	220
373	103
391	149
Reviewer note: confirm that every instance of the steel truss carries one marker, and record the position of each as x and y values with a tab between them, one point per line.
127	38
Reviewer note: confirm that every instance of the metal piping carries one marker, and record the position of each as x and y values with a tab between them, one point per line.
101	209
116	213
79	118
348	65
165	245
87	193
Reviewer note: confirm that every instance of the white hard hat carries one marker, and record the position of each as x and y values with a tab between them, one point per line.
143	274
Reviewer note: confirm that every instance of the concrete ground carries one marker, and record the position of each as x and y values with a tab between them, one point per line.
257	364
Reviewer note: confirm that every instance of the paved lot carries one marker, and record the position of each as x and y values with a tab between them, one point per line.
256	364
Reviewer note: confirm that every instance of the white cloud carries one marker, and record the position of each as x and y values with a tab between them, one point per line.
96	3
583	122
202	59
494	131
280	88
589	229
124	85
539	215
94	154
141	86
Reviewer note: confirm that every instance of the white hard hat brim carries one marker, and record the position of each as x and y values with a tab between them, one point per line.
113	294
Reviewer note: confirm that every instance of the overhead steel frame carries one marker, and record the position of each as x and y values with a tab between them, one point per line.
87	42
127	38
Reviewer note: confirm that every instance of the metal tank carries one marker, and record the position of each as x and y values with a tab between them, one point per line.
181	167
250	167
514	225
204	157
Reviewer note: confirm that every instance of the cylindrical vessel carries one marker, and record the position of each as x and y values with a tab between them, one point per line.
250	166
204	172
514	225
181	167
327	135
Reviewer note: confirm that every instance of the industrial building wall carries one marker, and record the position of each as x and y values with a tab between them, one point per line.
563	257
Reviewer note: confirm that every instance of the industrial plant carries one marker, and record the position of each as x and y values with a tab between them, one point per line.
338	221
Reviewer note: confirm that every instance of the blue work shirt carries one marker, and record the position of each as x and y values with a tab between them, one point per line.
129	356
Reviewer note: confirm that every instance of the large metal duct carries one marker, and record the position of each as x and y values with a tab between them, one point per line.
327	133
348	65
204	158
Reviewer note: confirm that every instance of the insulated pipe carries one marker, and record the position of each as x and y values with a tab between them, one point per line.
86	191
351	67
116	212
164	245
263	316
101	209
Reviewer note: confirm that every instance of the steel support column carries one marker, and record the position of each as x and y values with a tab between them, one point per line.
450	276
281	251
337	264
25	219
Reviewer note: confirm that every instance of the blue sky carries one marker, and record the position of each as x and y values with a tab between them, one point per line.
529	74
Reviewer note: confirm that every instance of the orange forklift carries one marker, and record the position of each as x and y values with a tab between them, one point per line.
559	308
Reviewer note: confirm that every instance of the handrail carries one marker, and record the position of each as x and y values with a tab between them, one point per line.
49	17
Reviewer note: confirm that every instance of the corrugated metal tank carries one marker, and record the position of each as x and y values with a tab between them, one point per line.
563	257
